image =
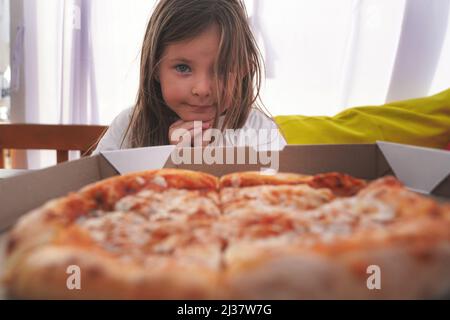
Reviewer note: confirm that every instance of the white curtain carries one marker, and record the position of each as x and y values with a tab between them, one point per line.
4	34
82	56
81	61
5	70
324	56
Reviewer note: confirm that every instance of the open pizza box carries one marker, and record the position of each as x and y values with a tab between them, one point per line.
420	169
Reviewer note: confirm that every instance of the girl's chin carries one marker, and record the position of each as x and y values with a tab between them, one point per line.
197	117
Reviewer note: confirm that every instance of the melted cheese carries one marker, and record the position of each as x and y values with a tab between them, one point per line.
170	204
161	181
152	226
273	198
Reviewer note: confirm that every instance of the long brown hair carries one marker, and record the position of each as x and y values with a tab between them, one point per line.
238	68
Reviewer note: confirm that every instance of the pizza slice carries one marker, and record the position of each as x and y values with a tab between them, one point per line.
329	251
121	254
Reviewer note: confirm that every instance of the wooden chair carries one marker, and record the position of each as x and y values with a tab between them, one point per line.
62	138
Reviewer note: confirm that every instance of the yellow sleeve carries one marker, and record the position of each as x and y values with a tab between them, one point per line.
422	122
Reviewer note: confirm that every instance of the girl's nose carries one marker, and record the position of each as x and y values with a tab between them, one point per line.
202	87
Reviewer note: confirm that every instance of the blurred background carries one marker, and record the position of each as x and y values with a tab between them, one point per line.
5	65
77	61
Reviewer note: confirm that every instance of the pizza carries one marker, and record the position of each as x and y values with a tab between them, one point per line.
179	234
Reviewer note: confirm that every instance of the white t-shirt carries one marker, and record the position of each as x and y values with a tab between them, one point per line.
259	131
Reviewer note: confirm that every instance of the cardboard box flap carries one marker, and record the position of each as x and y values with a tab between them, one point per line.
20	194
219	161
358	160
420	169
139	159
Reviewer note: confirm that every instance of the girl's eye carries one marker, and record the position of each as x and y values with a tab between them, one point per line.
182	68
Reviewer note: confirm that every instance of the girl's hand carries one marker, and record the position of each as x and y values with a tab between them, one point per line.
181	133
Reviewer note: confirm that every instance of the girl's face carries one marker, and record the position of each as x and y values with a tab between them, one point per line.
186	76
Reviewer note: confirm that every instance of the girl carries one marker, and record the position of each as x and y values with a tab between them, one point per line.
200	69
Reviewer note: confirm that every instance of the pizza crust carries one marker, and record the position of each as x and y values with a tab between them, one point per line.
43	274
338	183
303	275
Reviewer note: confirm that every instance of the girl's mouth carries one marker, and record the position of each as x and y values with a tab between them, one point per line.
200	108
